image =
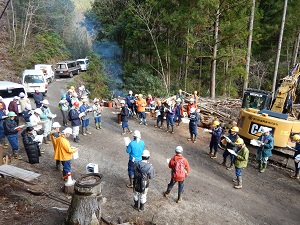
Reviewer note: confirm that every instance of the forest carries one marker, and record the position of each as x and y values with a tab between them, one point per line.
216	47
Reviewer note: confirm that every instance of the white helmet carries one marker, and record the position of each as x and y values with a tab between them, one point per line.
178	100
56	125
16	98
136	133
45	102
122	102
38	111
265	129
130	92
179	149
68	130
22	95
28	107
146	153
191	100
192	110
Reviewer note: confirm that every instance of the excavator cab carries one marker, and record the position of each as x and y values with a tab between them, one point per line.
257	99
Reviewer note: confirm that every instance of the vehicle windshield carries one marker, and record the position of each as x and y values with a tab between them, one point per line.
81	62
34	79
61	66
11	92
254	101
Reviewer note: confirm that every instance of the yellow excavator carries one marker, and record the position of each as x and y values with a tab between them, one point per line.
260	109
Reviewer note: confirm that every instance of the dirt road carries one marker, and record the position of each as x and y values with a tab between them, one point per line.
209	198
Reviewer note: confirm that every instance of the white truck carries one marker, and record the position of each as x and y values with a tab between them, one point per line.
47	70
83	63
34	79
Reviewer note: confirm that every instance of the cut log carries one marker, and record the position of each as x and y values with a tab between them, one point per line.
85	208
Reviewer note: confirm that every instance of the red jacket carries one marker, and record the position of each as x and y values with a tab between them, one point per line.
13	107
185	162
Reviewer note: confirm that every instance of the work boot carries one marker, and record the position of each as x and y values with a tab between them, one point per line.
86	131
100	125
230	167
259	164
166	193
76	139
195	139
161	125
142	207
235	180
156	124
263	169
214	156
210	153
167	128
141	121
45	141
83	131
240	183
136	205
296	176
179	199
191	138
172	131
97	126
130	185
224	162
129	131
145	122
123	133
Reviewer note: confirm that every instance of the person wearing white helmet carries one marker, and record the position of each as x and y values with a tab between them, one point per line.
13	107
130	101
178	111
38	97
36	121
191	105
26	113
264	151
97	110
170	111
47	117
124	117
135	150
143	172
64	151
23	101
193	125
180	169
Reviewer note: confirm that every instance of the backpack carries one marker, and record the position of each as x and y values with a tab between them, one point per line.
179	170
140	181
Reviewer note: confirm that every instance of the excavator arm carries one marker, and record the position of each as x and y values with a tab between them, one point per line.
286	92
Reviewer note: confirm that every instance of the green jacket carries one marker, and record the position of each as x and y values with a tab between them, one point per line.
241	160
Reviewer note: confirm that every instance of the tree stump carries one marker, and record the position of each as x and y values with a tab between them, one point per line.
85	208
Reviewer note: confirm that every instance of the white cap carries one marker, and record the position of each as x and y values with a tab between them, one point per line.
22	95
68	130
178	149
70	90
45	102
16	98
130	92
178	100
136	133
122	102
38	111
146	153
192	110
28	107
56	125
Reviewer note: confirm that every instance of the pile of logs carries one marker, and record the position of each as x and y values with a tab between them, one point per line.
225	110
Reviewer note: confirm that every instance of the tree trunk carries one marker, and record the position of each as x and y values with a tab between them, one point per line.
296	50
186	60
214	57
85	208
13	24
246	78
279	46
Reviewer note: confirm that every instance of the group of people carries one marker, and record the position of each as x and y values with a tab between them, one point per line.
140	171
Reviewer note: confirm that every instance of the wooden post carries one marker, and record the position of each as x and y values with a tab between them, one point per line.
85	208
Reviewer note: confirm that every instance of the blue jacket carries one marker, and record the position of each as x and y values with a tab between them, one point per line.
297	149
171	111
26	115
266	150
194	118
135	150
74	117
128	100
216	134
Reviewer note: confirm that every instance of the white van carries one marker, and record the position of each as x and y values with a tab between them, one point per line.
83	63
33	79
8	90
47	70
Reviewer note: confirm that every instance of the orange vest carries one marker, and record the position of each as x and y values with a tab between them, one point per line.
141	104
